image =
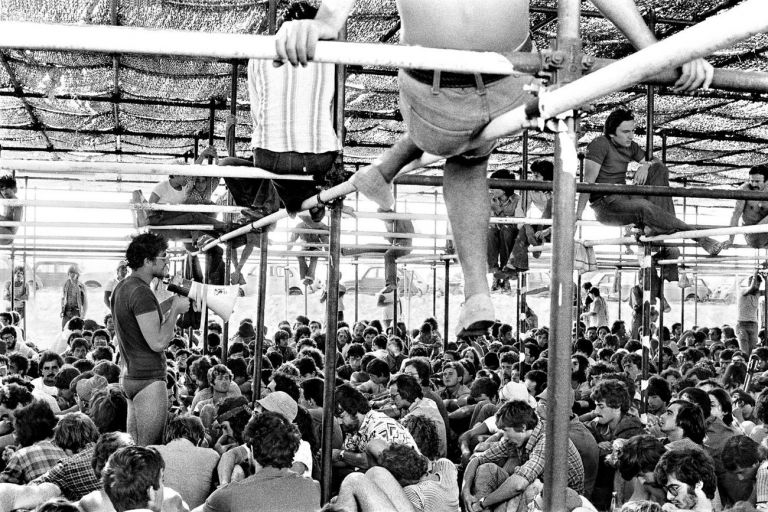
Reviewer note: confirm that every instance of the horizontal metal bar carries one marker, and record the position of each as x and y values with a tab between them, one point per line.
186	43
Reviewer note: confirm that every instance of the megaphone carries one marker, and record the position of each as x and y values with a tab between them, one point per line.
220	299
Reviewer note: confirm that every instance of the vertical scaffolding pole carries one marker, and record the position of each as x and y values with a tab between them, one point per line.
227	216
647	269
357	242
262	298
649	128
446	303
395	294
332	314
522	277
434	264
561	300
333	293
206	274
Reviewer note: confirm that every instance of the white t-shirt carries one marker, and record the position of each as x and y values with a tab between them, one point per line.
168	195
39	386
304	455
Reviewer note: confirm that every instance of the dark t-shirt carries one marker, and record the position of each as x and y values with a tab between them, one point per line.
133	297
613	161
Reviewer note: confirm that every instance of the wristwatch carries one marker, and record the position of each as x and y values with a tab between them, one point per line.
481	501
341	456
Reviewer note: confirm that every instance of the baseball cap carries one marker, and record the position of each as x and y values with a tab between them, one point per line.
281	403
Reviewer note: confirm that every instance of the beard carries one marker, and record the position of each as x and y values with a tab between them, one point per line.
350	428
687	501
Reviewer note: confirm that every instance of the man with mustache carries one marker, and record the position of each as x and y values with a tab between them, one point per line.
752	212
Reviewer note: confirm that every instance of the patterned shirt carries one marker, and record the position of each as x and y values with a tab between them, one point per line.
73	475
532	458
377	425
30	462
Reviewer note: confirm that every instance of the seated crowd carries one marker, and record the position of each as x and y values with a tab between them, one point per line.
419	423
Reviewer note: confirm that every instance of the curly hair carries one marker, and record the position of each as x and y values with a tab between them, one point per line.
639	455
218	370
143	247
690	466
614	393
405	463
130	472
75	431
34	422
273	440
13	395
424	433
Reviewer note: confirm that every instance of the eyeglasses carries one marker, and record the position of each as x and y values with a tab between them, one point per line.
673	489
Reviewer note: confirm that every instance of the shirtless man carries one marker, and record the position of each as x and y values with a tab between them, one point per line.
445	110
752	212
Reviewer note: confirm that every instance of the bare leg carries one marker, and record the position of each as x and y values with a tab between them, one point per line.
389	486
466	198
469	210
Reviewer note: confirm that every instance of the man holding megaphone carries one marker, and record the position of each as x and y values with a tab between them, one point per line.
143	334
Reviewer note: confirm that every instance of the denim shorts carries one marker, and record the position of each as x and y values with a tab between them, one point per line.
442	121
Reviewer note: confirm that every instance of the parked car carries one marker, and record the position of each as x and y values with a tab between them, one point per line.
281	279
372	281
700	291
727	291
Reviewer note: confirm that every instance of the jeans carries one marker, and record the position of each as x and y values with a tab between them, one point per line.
249	192
307	266
501	239
746	332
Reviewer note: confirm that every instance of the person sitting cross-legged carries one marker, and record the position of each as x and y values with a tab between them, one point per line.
488	484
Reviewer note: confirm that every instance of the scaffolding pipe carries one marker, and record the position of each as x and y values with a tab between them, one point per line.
563	231
124	168
741	22
332	315
135	40
262	301
186	43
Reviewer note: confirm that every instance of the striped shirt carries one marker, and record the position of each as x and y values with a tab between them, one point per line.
440	494
291	107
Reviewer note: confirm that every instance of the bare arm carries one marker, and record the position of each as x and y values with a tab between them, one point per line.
591	170
738	210
511	487
157	334
30	496
296	40
624	14
228	461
